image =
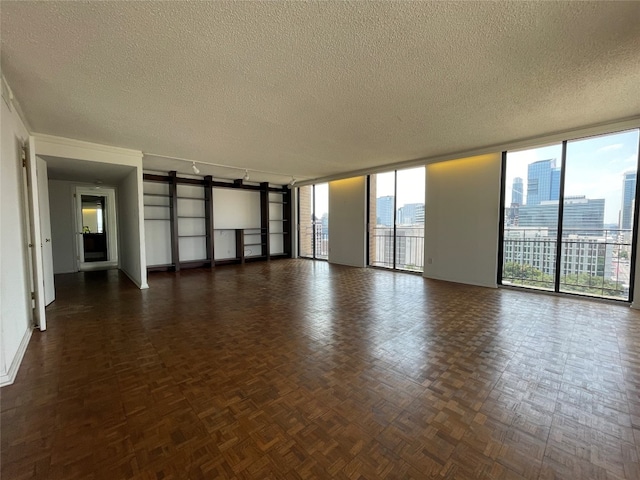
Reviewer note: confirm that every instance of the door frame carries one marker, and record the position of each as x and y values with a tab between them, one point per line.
111	224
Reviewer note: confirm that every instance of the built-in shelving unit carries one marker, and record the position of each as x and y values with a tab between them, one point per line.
181	232
193	236
158	219
279	220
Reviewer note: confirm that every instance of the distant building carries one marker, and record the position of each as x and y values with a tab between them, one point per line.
543	182
582	216
384	210
628	200
411	214
324	221
581	254
517	191
409	248
554	193
512	215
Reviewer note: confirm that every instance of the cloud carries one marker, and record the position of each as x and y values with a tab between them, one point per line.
607	148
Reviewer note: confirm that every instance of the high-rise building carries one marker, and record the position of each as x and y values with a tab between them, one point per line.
554	193
628	199
517	192
411	214
384	210
582	216
543	181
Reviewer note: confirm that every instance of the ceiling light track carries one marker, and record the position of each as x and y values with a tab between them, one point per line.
195	169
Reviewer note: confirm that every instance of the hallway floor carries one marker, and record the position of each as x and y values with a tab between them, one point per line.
301	369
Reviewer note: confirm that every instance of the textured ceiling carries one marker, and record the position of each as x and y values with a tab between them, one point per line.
311	89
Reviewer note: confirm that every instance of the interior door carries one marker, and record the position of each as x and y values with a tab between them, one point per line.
45	231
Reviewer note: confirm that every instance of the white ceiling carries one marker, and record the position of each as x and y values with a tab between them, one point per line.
97	173
312	89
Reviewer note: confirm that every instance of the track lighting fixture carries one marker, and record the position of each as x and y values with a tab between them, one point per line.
259	173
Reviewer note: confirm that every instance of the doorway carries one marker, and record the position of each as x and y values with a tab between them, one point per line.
96	228
94	232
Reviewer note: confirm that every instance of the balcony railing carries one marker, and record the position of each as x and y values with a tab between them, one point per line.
594	263
409	248
314	242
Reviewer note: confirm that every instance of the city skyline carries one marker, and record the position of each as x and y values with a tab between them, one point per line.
595	168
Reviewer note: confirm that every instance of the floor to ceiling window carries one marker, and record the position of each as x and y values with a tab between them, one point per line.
313	221
396	219
569	214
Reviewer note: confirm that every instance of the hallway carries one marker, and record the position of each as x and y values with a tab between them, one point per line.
302	369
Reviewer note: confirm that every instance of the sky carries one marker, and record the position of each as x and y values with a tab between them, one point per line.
594	167
410	185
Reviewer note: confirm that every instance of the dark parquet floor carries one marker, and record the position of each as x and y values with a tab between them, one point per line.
299	369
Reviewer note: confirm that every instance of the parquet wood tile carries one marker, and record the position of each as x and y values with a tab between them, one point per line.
295	369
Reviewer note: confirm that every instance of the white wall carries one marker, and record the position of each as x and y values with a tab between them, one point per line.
132	252
15	279
130	201
235	208
347	222
462	211
62	226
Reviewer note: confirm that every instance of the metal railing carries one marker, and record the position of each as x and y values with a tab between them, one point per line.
409	248
314	242
594	263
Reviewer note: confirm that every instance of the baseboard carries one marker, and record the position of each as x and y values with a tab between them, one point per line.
362	265
466	282
635	305
10	376
141	286
65	272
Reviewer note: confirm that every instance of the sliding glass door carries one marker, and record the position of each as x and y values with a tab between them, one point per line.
313	221
382	229
530	217
396	219
569	216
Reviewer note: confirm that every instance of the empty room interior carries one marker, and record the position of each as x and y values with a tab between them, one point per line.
342	239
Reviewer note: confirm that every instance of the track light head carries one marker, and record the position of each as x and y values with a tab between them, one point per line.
292	182
194	168
246	175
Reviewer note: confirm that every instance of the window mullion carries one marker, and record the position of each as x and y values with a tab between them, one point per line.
560	218
395	208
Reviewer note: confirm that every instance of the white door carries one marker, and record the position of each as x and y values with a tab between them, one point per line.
45	231
33	207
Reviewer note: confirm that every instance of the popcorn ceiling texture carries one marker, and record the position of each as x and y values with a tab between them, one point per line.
317	88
